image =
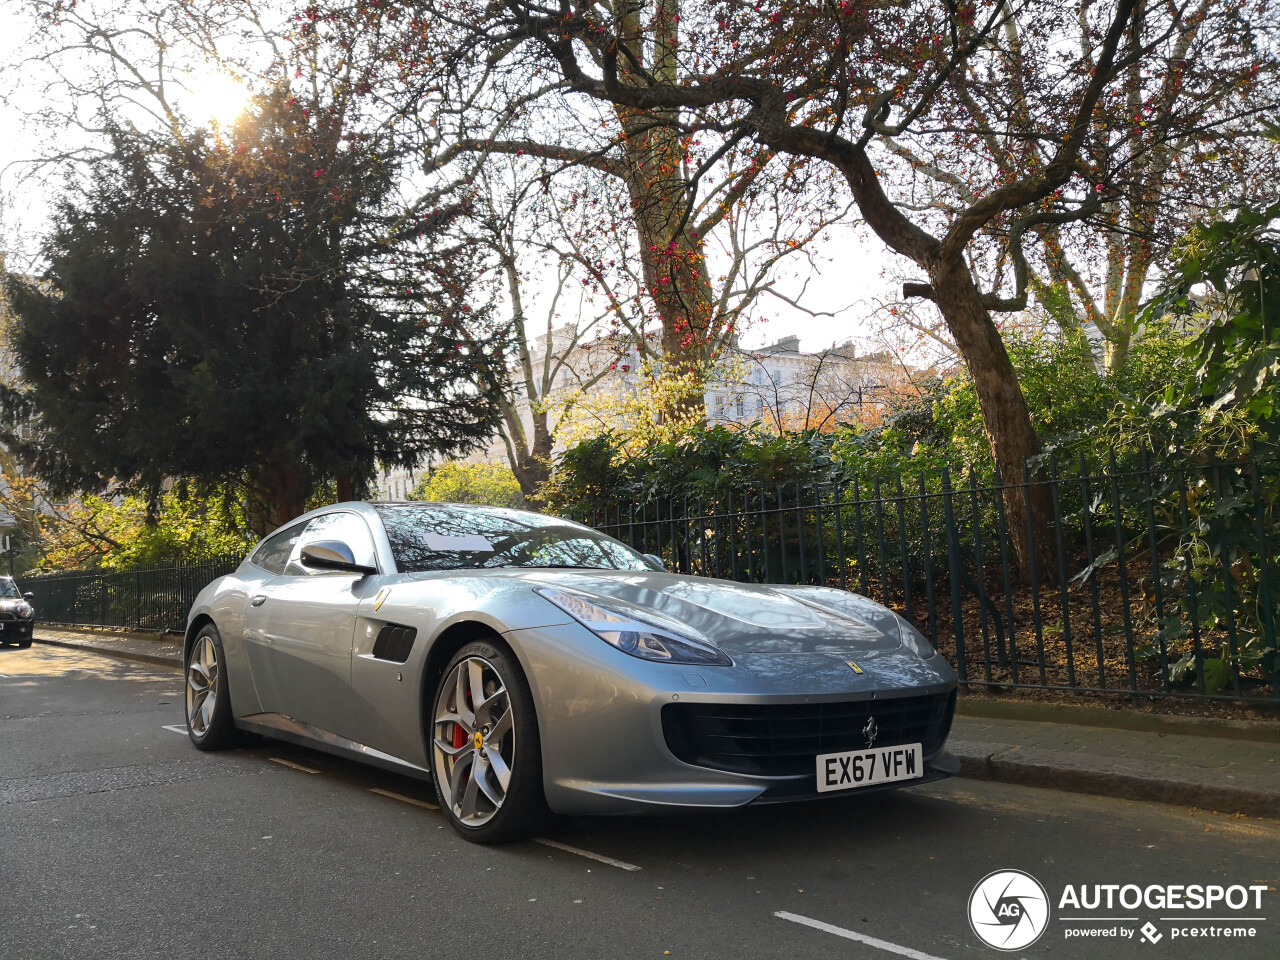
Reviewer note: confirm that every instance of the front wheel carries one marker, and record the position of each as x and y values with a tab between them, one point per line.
486	752
209	721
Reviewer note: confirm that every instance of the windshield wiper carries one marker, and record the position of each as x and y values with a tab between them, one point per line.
558	566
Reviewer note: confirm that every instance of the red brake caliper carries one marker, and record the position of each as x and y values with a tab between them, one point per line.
460	735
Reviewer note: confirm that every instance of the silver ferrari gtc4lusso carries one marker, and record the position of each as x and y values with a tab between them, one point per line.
528	665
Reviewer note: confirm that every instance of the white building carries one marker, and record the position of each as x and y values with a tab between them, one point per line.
778	385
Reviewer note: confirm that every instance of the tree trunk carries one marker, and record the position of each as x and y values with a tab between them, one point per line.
1002	405
346	487
532	465
287	494
655	171
673	266
1115	351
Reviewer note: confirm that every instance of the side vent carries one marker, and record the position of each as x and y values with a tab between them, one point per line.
394	643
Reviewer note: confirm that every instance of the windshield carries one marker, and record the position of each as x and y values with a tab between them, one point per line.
9	590
440	536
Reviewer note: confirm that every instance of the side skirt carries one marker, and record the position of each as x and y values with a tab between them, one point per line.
280	727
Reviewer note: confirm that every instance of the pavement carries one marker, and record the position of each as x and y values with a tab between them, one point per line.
1215	765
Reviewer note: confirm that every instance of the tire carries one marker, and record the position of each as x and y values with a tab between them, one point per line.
208	697
471	748
24	644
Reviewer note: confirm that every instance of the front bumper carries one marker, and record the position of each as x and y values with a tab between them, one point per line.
15	629
604	749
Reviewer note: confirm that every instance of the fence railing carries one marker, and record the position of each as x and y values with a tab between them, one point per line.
1153	580
1156	579
148	598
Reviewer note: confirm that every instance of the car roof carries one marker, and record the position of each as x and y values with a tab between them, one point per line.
369	508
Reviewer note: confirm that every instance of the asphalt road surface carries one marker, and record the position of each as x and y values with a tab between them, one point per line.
119	839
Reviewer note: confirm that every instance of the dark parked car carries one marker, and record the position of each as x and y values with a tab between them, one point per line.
17	618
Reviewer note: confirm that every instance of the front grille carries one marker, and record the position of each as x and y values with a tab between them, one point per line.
780	740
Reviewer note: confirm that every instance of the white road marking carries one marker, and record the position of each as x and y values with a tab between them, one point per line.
175	728
859	937
402	797
620	864
292	765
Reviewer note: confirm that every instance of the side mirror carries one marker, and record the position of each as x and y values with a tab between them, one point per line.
29	595
655	561
332	555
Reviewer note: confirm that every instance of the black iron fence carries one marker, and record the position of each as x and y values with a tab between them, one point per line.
1158	579
1154	579
148	598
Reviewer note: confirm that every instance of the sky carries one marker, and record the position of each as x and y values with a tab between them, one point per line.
852	275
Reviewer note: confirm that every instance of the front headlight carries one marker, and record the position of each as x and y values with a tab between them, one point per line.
24	610
632	635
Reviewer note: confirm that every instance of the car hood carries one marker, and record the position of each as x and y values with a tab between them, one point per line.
741	619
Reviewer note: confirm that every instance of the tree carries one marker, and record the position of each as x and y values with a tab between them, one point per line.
844	82
1171	151
483	483
707	220
1227	279
538	381
129	531
249	311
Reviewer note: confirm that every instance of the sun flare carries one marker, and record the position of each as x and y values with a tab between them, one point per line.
214	95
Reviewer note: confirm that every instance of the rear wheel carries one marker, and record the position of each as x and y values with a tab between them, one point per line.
486	752
209	721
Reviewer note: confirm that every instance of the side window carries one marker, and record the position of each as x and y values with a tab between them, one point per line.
275	550
350	528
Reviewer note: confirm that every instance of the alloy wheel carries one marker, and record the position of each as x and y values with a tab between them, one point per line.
474	741
203	676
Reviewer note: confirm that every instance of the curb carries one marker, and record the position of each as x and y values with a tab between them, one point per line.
1149	784
152	658
1261	731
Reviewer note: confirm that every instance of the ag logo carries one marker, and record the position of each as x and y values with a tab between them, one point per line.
1008	910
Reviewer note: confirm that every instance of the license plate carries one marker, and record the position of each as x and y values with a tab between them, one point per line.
865	768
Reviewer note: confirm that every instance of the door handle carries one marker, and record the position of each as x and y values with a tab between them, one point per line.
259	600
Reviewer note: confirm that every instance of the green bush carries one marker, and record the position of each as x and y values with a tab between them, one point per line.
480	483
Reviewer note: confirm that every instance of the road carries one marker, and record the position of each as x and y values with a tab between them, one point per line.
118	839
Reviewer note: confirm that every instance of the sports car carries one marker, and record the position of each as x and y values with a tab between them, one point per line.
530	666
